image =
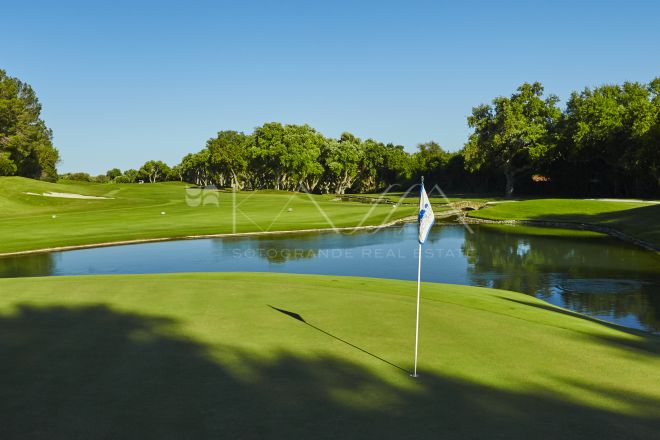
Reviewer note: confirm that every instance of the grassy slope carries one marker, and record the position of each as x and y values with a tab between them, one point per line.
641	220
204	356
26	221
434	197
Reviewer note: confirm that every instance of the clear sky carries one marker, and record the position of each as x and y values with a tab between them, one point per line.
124	82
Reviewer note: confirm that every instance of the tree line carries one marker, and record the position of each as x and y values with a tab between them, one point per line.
604	142
290	157
26	147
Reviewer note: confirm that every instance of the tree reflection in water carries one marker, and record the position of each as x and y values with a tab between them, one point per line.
33	265
596	274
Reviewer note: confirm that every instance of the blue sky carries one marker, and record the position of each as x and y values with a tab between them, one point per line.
124	82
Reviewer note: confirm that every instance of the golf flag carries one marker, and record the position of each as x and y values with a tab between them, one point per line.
426	217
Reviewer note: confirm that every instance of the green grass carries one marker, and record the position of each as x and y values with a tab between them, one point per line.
434	197
134	212
638	219
27	223
205	356
527	231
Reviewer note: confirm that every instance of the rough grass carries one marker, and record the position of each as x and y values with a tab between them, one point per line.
209	356
27	223
638	219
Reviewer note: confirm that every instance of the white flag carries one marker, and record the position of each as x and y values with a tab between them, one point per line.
426	217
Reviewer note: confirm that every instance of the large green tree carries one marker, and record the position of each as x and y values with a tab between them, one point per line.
113	173
194	168
7	166
514	134
430	161
372	159
286	156
652	139
26	147
228	156
154	171
302	159
608	132
340	158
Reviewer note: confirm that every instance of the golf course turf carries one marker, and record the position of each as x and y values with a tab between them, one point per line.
163	210
637	219
247	355
30	221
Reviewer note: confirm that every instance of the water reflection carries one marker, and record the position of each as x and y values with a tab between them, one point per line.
33	265
596	275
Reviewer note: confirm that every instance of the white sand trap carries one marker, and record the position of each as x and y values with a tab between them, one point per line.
68	196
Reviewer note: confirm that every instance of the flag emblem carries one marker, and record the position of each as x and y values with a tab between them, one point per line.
426	217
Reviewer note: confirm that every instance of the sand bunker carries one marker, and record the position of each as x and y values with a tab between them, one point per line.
68	196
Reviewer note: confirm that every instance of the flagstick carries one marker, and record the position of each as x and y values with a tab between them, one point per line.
419	273
233	211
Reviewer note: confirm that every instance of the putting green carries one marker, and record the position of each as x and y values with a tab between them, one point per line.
210	356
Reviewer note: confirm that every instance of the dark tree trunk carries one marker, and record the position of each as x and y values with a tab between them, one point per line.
510	180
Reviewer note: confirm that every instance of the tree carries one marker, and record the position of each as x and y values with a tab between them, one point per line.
303	146
194	168
265	155
7	166
372	158
606	131
25	141
652	140
113	173
176	173
430	161
340	159
154	171
513	134
283	157
397	166
81	177
129	176
101	178
228	156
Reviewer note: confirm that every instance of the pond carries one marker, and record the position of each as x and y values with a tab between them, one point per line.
586	272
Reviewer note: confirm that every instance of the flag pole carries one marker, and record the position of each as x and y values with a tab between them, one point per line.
419	279
419	272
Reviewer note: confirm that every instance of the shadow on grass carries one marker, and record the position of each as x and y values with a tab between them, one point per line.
297	317
95	372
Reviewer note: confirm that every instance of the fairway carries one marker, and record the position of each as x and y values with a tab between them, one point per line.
163	210
211	356
134	212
